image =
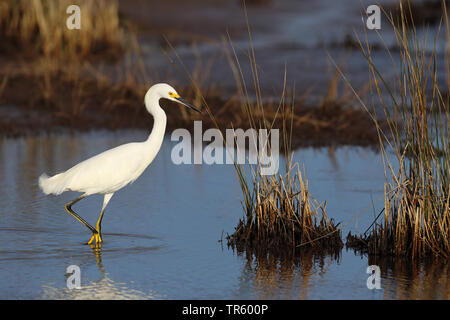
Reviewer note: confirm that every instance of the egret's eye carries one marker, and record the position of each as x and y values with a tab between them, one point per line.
173	95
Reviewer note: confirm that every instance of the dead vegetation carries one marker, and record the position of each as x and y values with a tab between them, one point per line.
32	28
415	220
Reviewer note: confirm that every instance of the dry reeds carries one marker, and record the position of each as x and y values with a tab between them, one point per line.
280	215
39	27
417	192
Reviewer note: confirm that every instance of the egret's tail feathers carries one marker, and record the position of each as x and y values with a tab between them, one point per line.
55	185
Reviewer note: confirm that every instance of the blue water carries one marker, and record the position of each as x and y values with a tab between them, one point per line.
161	234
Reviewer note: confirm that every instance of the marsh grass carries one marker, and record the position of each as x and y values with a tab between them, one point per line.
415	221
36	27
281	220
280	215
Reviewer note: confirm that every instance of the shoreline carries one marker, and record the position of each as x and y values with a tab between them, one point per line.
86	104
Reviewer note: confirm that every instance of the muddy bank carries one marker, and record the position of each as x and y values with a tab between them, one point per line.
54	101
87	104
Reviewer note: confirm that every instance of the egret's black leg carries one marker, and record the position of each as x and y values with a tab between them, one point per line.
68	207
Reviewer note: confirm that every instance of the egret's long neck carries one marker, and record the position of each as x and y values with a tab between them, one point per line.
156	137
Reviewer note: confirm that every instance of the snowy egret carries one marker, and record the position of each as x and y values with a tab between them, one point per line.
113	169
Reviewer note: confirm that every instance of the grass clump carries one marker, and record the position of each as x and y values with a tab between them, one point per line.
416	212
280	216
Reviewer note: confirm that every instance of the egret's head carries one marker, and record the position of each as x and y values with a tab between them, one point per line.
165	91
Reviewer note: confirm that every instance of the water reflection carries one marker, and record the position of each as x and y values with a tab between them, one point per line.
286	277
103	289
404	279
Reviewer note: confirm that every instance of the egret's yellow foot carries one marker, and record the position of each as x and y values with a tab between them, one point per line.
96	239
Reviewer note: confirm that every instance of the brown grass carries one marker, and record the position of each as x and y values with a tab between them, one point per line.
36	27
280	215
416	213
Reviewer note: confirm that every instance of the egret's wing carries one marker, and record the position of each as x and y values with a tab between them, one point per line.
107	170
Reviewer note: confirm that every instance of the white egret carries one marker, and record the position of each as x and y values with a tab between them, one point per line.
113	169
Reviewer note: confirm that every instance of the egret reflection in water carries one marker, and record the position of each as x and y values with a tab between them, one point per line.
103	289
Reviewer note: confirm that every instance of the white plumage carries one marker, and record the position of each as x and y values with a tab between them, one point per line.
106	172
113	169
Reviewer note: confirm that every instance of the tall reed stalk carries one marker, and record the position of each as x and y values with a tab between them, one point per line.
417	198
280	215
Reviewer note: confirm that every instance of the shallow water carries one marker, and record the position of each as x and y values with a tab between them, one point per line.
161	234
